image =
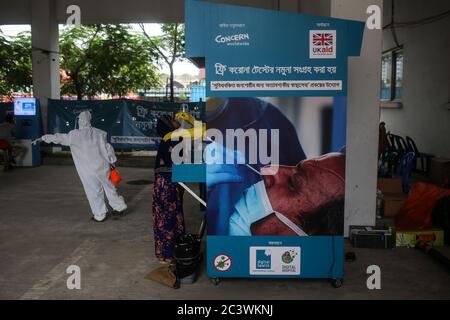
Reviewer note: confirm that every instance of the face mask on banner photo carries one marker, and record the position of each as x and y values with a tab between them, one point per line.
255	205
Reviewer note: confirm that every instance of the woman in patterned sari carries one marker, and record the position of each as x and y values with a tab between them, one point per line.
168	217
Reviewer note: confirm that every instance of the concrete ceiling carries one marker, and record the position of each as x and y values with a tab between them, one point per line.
115	11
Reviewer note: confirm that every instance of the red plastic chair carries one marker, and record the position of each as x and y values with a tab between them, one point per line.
5	146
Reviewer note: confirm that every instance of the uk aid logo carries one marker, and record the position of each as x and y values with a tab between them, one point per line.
322	44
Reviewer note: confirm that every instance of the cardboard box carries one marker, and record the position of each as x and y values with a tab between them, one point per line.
439	170
393	197
393	203
434	236
393	185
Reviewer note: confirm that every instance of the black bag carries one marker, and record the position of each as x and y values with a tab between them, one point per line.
187	254
441	217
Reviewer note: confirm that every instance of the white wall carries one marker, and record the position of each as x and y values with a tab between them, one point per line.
426	84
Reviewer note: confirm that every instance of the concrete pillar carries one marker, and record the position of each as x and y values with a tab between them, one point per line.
45	57
363	106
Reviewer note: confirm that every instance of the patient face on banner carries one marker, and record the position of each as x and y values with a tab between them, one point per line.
301	190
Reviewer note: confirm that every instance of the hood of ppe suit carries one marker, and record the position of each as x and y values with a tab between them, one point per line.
84	120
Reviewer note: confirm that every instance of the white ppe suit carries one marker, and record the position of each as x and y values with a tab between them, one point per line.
92	155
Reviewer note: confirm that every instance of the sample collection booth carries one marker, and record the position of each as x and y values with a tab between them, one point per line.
257	228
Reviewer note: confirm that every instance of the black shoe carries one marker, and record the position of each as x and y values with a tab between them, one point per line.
118	214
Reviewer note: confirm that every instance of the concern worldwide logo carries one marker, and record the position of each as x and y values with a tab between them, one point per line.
240	39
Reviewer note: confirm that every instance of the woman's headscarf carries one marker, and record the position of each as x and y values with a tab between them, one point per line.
164	125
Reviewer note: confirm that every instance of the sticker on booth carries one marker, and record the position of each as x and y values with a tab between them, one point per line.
275	260
322	44
222	262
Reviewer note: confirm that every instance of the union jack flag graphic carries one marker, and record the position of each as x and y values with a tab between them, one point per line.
322	39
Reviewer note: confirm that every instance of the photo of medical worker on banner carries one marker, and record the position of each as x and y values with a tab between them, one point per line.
295	184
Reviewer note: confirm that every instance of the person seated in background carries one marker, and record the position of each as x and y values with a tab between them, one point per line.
7	134
383	142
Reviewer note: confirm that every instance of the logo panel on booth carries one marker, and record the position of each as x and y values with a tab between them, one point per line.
275	260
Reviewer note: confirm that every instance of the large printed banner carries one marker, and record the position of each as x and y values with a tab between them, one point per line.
277	81
257	52
130	124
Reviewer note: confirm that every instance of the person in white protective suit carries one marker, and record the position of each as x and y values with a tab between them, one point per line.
92	155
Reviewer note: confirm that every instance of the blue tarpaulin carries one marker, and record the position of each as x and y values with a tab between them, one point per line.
130	124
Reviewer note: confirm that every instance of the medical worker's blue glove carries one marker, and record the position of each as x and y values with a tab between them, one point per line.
217	170
221	173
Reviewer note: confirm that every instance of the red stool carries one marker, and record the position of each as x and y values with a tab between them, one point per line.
4	145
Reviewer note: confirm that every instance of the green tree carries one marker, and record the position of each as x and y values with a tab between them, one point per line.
105	59
169	47
15	63
75	57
